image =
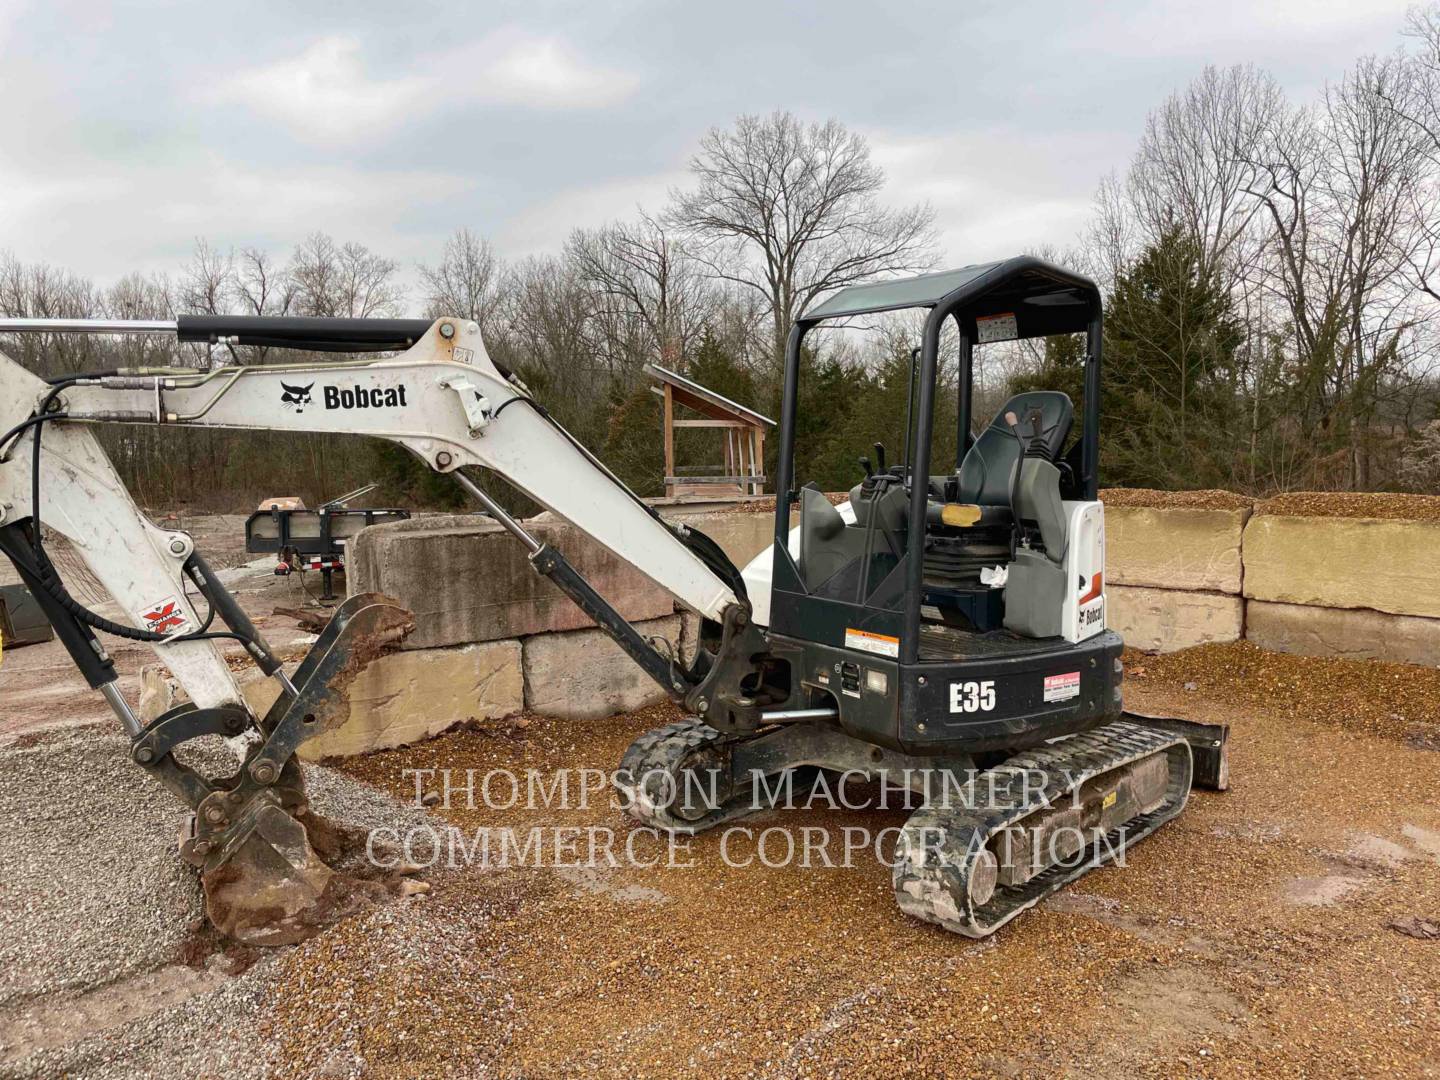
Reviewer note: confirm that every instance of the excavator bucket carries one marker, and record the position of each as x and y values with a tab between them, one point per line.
273	871
278	888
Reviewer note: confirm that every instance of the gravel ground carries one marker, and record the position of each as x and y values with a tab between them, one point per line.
1401	701
1254	936
1251	937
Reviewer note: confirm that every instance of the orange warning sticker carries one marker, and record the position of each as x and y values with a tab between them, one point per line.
868	641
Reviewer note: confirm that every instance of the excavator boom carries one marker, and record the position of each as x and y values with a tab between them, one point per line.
444	400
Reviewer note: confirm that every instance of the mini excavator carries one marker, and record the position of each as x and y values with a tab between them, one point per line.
941	630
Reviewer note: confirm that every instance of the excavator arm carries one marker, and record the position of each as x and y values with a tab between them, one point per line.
445	401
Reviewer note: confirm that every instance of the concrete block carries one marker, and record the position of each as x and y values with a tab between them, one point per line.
1164	620
1174	548
582	675
741	535
160	691
468	580
1350	632
401	698
1387	565
408	696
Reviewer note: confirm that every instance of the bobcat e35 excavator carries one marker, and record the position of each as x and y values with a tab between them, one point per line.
876	646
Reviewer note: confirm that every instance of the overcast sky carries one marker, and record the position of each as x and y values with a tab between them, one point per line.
131	129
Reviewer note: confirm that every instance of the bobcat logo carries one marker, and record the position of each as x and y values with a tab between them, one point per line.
295	398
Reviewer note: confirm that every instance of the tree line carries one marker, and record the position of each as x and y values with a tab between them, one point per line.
1269	270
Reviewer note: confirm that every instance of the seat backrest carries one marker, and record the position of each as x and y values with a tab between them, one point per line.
985	472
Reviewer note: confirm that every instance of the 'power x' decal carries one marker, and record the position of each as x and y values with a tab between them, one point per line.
163	617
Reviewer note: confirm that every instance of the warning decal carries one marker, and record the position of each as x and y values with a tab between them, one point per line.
1062	687
164	617
996	328
865	641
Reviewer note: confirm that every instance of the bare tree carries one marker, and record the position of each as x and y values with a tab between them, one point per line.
1343	188
1195	165
261	287
644	273
467	283
792	210
346	280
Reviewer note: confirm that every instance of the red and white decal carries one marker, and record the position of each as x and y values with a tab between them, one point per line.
166	616
1062	687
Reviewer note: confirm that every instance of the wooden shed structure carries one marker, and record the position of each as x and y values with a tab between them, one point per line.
742	439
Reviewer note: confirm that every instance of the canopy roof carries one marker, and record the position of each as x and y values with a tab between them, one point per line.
704	400
1041	297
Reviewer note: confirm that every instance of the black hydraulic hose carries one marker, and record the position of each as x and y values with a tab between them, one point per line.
56	588
19	429
70	380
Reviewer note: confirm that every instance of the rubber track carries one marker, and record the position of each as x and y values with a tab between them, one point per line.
931	881
664	753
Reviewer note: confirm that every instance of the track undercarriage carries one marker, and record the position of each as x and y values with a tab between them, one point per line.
986	842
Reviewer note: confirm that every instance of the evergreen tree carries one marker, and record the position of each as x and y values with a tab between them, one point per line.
1170	414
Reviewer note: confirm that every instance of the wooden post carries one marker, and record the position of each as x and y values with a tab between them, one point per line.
669	440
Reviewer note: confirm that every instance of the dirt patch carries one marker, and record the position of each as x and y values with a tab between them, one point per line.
58	1021
1207	499
1398	701
1353	504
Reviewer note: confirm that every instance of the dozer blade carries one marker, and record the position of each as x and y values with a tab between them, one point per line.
272	869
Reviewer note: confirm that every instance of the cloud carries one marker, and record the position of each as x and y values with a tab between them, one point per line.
230	203
328	94
543	227
997	193
515	68
324	93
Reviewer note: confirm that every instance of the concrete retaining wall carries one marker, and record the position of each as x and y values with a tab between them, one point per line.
1336	584
1388	566
494	638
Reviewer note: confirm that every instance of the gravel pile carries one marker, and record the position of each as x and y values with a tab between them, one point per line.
99	918
92	890
1209	499
1353	504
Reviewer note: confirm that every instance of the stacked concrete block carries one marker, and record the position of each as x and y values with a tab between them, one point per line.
1344	586
468	581
1173	576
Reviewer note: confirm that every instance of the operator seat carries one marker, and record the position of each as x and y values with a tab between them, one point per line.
984	477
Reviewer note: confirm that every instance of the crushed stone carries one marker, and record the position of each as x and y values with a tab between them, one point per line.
1354	504
1206	499
1397	701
